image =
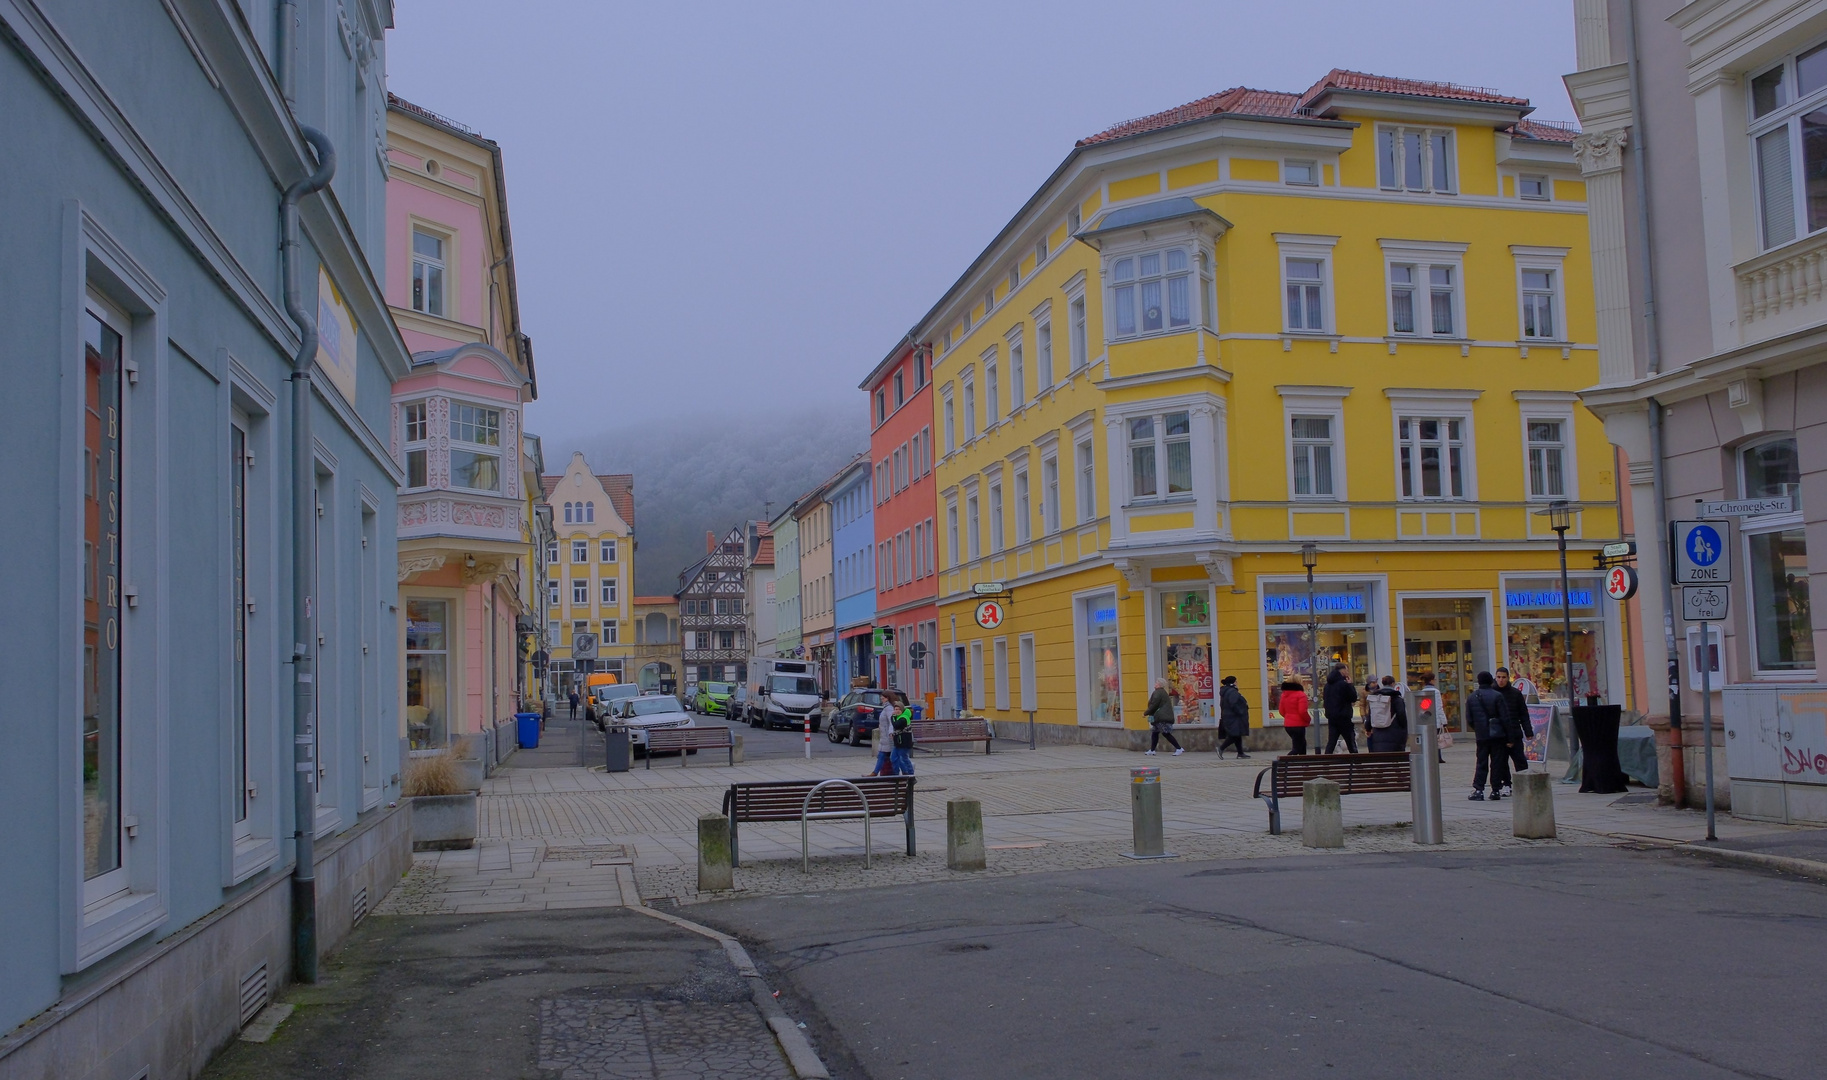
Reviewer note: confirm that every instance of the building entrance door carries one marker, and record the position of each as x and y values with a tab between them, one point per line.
1439	639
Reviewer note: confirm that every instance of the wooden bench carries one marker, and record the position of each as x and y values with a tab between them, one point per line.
691	738
944	731
1355	774
802	800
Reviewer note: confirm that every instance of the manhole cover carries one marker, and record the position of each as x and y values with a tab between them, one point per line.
579	854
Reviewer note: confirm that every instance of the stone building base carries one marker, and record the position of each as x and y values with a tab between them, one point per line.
163	1008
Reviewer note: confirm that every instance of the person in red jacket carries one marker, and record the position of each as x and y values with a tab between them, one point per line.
1296	714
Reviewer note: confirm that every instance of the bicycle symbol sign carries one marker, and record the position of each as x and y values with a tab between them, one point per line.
989	614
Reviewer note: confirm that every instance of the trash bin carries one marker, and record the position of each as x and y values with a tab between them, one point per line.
919	711
615	749
526	726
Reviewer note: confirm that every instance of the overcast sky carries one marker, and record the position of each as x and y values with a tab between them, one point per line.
724	206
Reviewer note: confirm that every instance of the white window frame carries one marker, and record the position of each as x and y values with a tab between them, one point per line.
1158	421
555	590
1024	506
580	550
497	450
999	658
1556	407
973	524
1043	348
611	591
1785	117
1018	371
608	550
952	550
996	511
992	389
1552	259
976	695
1307	248
1392	172
1078	325
967	389
1547	189
1030	701
1422	257
1289	165
1760	526
1194	273
612	632
1084	477
580	592
253	841
443	262
422	445
1316	401
1049	493
1436	405
951	418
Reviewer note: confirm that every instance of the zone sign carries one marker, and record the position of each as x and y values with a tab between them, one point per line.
1700	552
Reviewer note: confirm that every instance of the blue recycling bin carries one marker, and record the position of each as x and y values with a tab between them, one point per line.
919	711
527	729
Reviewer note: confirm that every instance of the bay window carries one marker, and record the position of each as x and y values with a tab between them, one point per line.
1160	444
418	439
475	456
1087	482
1789	146
1152	292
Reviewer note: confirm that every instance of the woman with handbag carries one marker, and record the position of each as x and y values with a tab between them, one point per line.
1160	713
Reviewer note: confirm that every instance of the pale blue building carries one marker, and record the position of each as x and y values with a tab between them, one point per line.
148	637
853	565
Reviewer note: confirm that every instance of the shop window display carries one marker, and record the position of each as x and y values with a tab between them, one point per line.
1346	634
1535	643
1185	655
1103	667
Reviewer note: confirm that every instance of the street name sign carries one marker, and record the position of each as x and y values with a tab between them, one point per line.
989	614
1781	504
988	588
1619	551
1705	603
1700	553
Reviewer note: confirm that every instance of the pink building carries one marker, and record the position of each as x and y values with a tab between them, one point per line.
469	535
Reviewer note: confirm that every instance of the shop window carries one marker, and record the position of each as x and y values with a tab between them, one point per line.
427	673
104	745
1101	660
1344	613
1184	652
1535	644
1782	623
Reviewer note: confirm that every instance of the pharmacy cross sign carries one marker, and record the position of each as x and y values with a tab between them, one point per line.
989	614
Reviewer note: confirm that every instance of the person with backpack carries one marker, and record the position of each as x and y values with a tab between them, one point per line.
1494	730
1386	718
1233	716
1160	713
1296	716
1339	700
1519	713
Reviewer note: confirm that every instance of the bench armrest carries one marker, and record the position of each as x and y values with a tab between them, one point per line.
1256	792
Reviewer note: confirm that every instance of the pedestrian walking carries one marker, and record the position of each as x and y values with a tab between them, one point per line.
901	757
1339	700
1233	716
1295	717
573	704
1387	718
1518	704
1160	713
1490	720
884	735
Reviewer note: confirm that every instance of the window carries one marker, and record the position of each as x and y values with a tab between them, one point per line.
1152	292
418	435
1024	510
1432	457
996	519
589	509
474	428
1538	303
1043	355
989	301
612	632
1155	441
427	273
900	389
1306	294
1087	482
970	410
1018	375
610	596
1014	278
552	592
1049	494
1421	300
999	659
552	548
1072	220
1547	458
103	741
726	639
932	555
608	550
951	534
973	534
919	368
1415	159
1025	652
580	591
1312	439
1782	623
1532	187
1100	663
881	406
1789	146
1075	331
1040	252
1300	172
428	636
992	391
951	424
580	551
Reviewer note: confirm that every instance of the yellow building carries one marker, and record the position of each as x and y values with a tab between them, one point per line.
590	571
1354	317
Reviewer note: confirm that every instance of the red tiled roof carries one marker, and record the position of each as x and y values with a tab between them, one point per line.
1543	131
620	487
764	552
656	601
1244	101
1340	79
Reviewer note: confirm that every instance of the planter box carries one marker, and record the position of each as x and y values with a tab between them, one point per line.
443	822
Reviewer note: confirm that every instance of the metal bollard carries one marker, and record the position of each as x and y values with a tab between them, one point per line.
1145	814
1424	783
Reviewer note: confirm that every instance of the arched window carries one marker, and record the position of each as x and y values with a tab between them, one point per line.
590	511
567	513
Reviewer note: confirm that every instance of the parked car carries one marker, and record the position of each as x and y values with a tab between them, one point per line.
713	698
786	693
603	699
859	712
646	713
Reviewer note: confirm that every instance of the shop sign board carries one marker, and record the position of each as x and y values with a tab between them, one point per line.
989	588
1700	553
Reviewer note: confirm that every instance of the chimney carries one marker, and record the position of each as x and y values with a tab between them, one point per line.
710	542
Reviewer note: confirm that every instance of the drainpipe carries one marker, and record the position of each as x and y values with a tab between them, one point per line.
304	561
1652	348
287	38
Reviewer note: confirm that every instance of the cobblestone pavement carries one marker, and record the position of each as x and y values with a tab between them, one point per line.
594	1039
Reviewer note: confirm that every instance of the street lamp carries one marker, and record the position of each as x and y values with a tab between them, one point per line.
1309	558
1560	519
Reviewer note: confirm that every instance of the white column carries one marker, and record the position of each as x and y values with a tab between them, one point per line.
1116	468
1205	468
1601	157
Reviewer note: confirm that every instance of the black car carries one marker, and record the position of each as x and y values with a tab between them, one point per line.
859	713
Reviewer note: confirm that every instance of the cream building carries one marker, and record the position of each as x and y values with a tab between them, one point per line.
590	571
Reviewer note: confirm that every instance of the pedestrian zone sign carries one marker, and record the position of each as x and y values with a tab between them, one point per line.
989	614
1700	553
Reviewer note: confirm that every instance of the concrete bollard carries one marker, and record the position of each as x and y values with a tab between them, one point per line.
714	874
1322	823
1532	807
736	757
964	834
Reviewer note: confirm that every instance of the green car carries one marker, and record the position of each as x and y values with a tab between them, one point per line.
713	698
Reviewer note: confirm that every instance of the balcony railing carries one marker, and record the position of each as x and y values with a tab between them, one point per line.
1780	281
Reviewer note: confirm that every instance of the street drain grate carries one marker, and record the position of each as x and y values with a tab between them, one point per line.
579	854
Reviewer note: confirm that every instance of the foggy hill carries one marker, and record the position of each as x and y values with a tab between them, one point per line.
700	472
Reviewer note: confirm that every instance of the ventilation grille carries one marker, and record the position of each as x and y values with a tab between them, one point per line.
358	906
253	993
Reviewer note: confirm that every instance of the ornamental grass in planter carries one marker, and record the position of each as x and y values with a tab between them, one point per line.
443	809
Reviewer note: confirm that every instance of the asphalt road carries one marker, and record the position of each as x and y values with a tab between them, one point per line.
758	744
1557	962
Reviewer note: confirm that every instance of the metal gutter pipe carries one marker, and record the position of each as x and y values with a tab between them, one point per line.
304	562
287	38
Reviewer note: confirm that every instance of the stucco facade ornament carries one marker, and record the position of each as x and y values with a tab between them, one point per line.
418	564
1600	151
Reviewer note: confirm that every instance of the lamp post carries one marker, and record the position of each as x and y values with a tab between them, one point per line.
1560	519
1309	558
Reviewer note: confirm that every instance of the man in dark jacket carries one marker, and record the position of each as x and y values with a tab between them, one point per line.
1494	730
1392	737
1338	700
1160	713
1519	715
1233	716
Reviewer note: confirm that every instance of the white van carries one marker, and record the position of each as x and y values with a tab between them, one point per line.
782	693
